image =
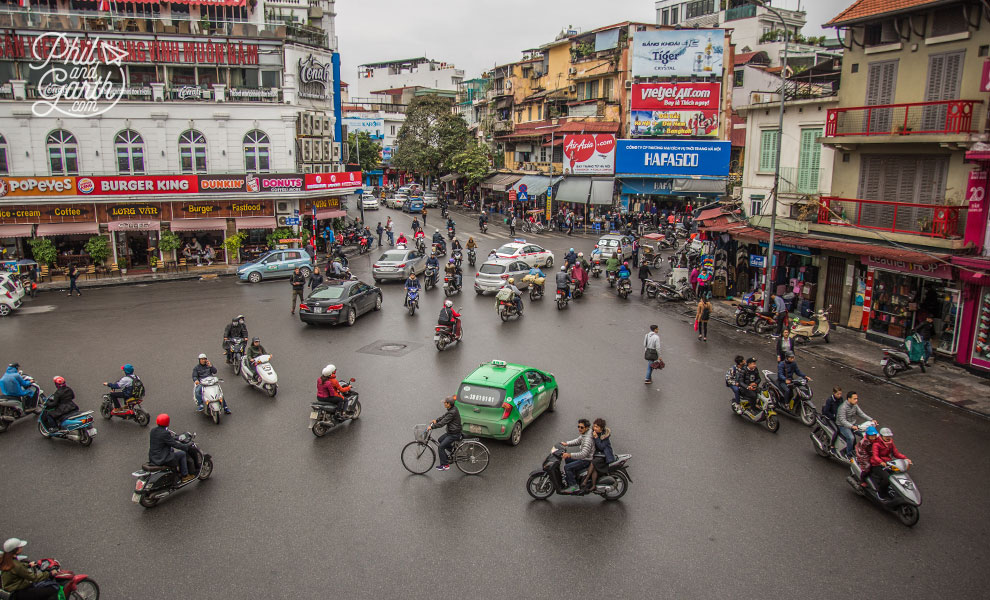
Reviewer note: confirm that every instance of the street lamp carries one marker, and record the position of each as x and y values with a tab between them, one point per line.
776	168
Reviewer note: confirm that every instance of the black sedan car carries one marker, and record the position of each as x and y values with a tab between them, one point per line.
340	302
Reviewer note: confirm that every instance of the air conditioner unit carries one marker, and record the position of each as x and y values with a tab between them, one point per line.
572	71
336	151
327	128
572	89
629	84
282	221
508	85
283	208
307	168
317	124
305	124
327	152
317	151
307	151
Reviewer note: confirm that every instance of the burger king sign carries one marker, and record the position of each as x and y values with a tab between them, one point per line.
589	154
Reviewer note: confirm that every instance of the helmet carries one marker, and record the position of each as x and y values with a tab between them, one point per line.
240	317
233	320
563	267
451	261
871	430
162	420
329	370
255	339
625	263
59	380
788	354
436	230
571	250
202	356
886	432
448	303
512	279
580	254
15	365
128	369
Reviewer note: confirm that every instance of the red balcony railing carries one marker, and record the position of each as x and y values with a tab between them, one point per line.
945	116
931	220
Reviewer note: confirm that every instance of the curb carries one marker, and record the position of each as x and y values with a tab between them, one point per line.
60	287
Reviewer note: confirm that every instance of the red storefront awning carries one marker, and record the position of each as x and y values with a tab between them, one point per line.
330	213
85	227
211	2
255	223
15	230
198	225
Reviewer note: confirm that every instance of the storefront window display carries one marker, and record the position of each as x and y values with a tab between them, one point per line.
901	302
981	344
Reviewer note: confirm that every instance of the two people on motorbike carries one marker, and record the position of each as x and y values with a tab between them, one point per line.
451	419
201	370
237	328
748	385
330	391
252	353
786	370
454	270
612	264
123	388
412	284
581	458
166	449
450	318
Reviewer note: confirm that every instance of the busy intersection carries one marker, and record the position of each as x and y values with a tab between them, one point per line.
715	506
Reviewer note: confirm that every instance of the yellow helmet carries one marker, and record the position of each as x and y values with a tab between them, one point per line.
512	280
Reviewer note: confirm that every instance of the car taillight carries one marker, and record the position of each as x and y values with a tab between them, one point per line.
335	307
303	306
402	266
139	485
477	274
506	410
9	296
506	276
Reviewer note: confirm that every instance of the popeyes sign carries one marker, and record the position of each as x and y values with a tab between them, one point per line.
588	154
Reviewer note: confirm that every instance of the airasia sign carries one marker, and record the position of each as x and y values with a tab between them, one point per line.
588	154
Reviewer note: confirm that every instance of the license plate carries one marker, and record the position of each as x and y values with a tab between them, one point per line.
92	432
313	415
436	338
317	309
474	428
135	498
386	269
883	362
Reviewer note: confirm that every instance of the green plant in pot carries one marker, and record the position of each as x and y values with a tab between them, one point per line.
98	249
232	244
169	242
282	233
43	250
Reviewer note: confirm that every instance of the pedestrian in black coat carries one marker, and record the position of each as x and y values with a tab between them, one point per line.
644	274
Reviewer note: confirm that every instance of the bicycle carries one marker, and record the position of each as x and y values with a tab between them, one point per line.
467	454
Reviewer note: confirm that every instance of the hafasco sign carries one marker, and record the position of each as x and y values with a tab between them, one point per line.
138	184
314	78
37	186
675	109
333	181
588	154
675	158
75	75
680	53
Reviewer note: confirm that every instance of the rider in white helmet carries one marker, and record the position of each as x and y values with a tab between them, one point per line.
329	390
450	318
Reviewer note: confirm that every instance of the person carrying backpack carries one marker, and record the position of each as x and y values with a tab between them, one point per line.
124	388
701	318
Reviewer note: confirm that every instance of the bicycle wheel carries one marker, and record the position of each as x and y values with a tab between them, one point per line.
471	458
418	457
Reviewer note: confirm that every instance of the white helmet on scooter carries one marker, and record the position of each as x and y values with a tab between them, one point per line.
329	370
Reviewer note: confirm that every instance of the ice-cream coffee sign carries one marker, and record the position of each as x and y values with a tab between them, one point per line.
76	75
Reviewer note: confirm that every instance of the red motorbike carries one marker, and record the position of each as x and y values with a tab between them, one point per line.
74	586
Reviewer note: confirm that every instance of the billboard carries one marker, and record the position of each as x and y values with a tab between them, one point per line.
589	154
129	185
37	186
675	109
681	53
673	158
333	181
373	127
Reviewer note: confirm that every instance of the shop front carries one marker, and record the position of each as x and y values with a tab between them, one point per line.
495	191
903	294
133	240
642	194
67	225
12	236
795	275
974	327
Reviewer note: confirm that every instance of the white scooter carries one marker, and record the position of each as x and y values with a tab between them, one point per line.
262	376
212	398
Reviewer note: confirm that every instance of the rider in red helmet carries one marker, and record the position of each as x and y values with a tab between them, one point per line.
166	449
61	404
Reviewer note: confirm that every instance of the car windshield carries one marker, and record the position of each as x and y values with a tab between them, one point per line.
490	269
393	256
332	292
609	243
480	395
506	250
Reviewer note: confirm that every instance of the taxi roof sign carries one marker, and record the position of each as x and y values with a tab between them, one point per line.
499	363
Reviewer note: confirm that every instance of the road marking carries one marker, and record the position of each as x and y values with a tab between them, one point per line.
36	310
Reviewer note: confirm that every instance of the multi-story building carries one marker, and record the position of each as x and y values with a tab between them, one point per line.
382	119
199	118
411	72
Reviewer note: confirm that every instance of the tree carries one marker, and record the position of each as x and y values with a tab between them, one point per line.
473	163
370	150
430	137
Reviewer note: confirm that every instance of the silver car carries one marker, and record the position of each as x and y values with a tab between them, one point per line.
430	199
398	263
493	274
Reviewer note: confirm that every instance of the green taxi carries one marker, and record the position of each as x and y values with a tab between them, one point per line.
499	399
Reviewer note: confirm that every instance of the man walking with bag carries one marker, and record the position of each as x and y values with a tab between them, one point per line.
652	345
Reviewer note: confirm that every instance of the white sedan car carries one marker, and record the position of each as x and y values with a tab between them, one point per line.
531	254
369	202
396	201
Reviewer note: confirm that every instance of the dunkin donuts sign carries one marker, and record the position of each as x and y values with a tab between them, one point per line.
589	154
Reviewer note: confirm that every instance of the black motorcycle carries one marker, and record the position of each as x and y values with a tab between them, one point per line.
450	233
803	409
323	417
535	291
155	482
611	275
549	480
457	256
746	313
430	277
625	288
450	286
235	350
13	408
472	256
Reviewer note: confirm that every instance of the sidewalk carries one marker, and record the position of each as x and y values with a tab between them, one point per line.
943	381
61	284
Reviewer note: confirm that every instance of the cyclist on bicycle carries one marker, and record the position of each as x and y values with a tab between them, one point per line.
452	420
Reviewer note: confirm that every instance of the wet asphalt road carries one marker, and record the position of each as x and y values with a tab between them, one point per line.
717	507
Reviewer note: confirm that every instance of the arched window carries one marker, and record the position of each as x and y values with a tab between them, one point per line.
129	147
257	148
63	153
192	152
4	165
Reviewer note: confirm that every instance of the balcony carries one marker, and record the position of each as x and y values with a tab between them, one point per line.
944	117
794	182
929	220
744	11
502	127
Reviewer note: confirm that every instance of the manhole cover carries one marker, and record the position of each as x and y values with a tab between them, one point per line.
389	348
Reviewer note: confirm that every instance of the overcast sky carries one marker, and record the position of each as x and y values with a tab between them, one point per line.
477	34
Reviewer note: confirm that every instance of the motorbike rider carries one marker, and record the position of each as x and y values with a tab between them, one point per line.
61	403
204	368
482	220
575	461
22	580
252	353
411	284
401	240
419	237
16	386
570	258
612	264
438	240
734	375
516	294
749	382
786	370
454	270
451	226
166	449
329	390
471	244
830	408
450	318
846	416
883	451
432	262
604	455
564	281
581	261
623	274
452	420
535	273
864	452
237	328
123	387
455	246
